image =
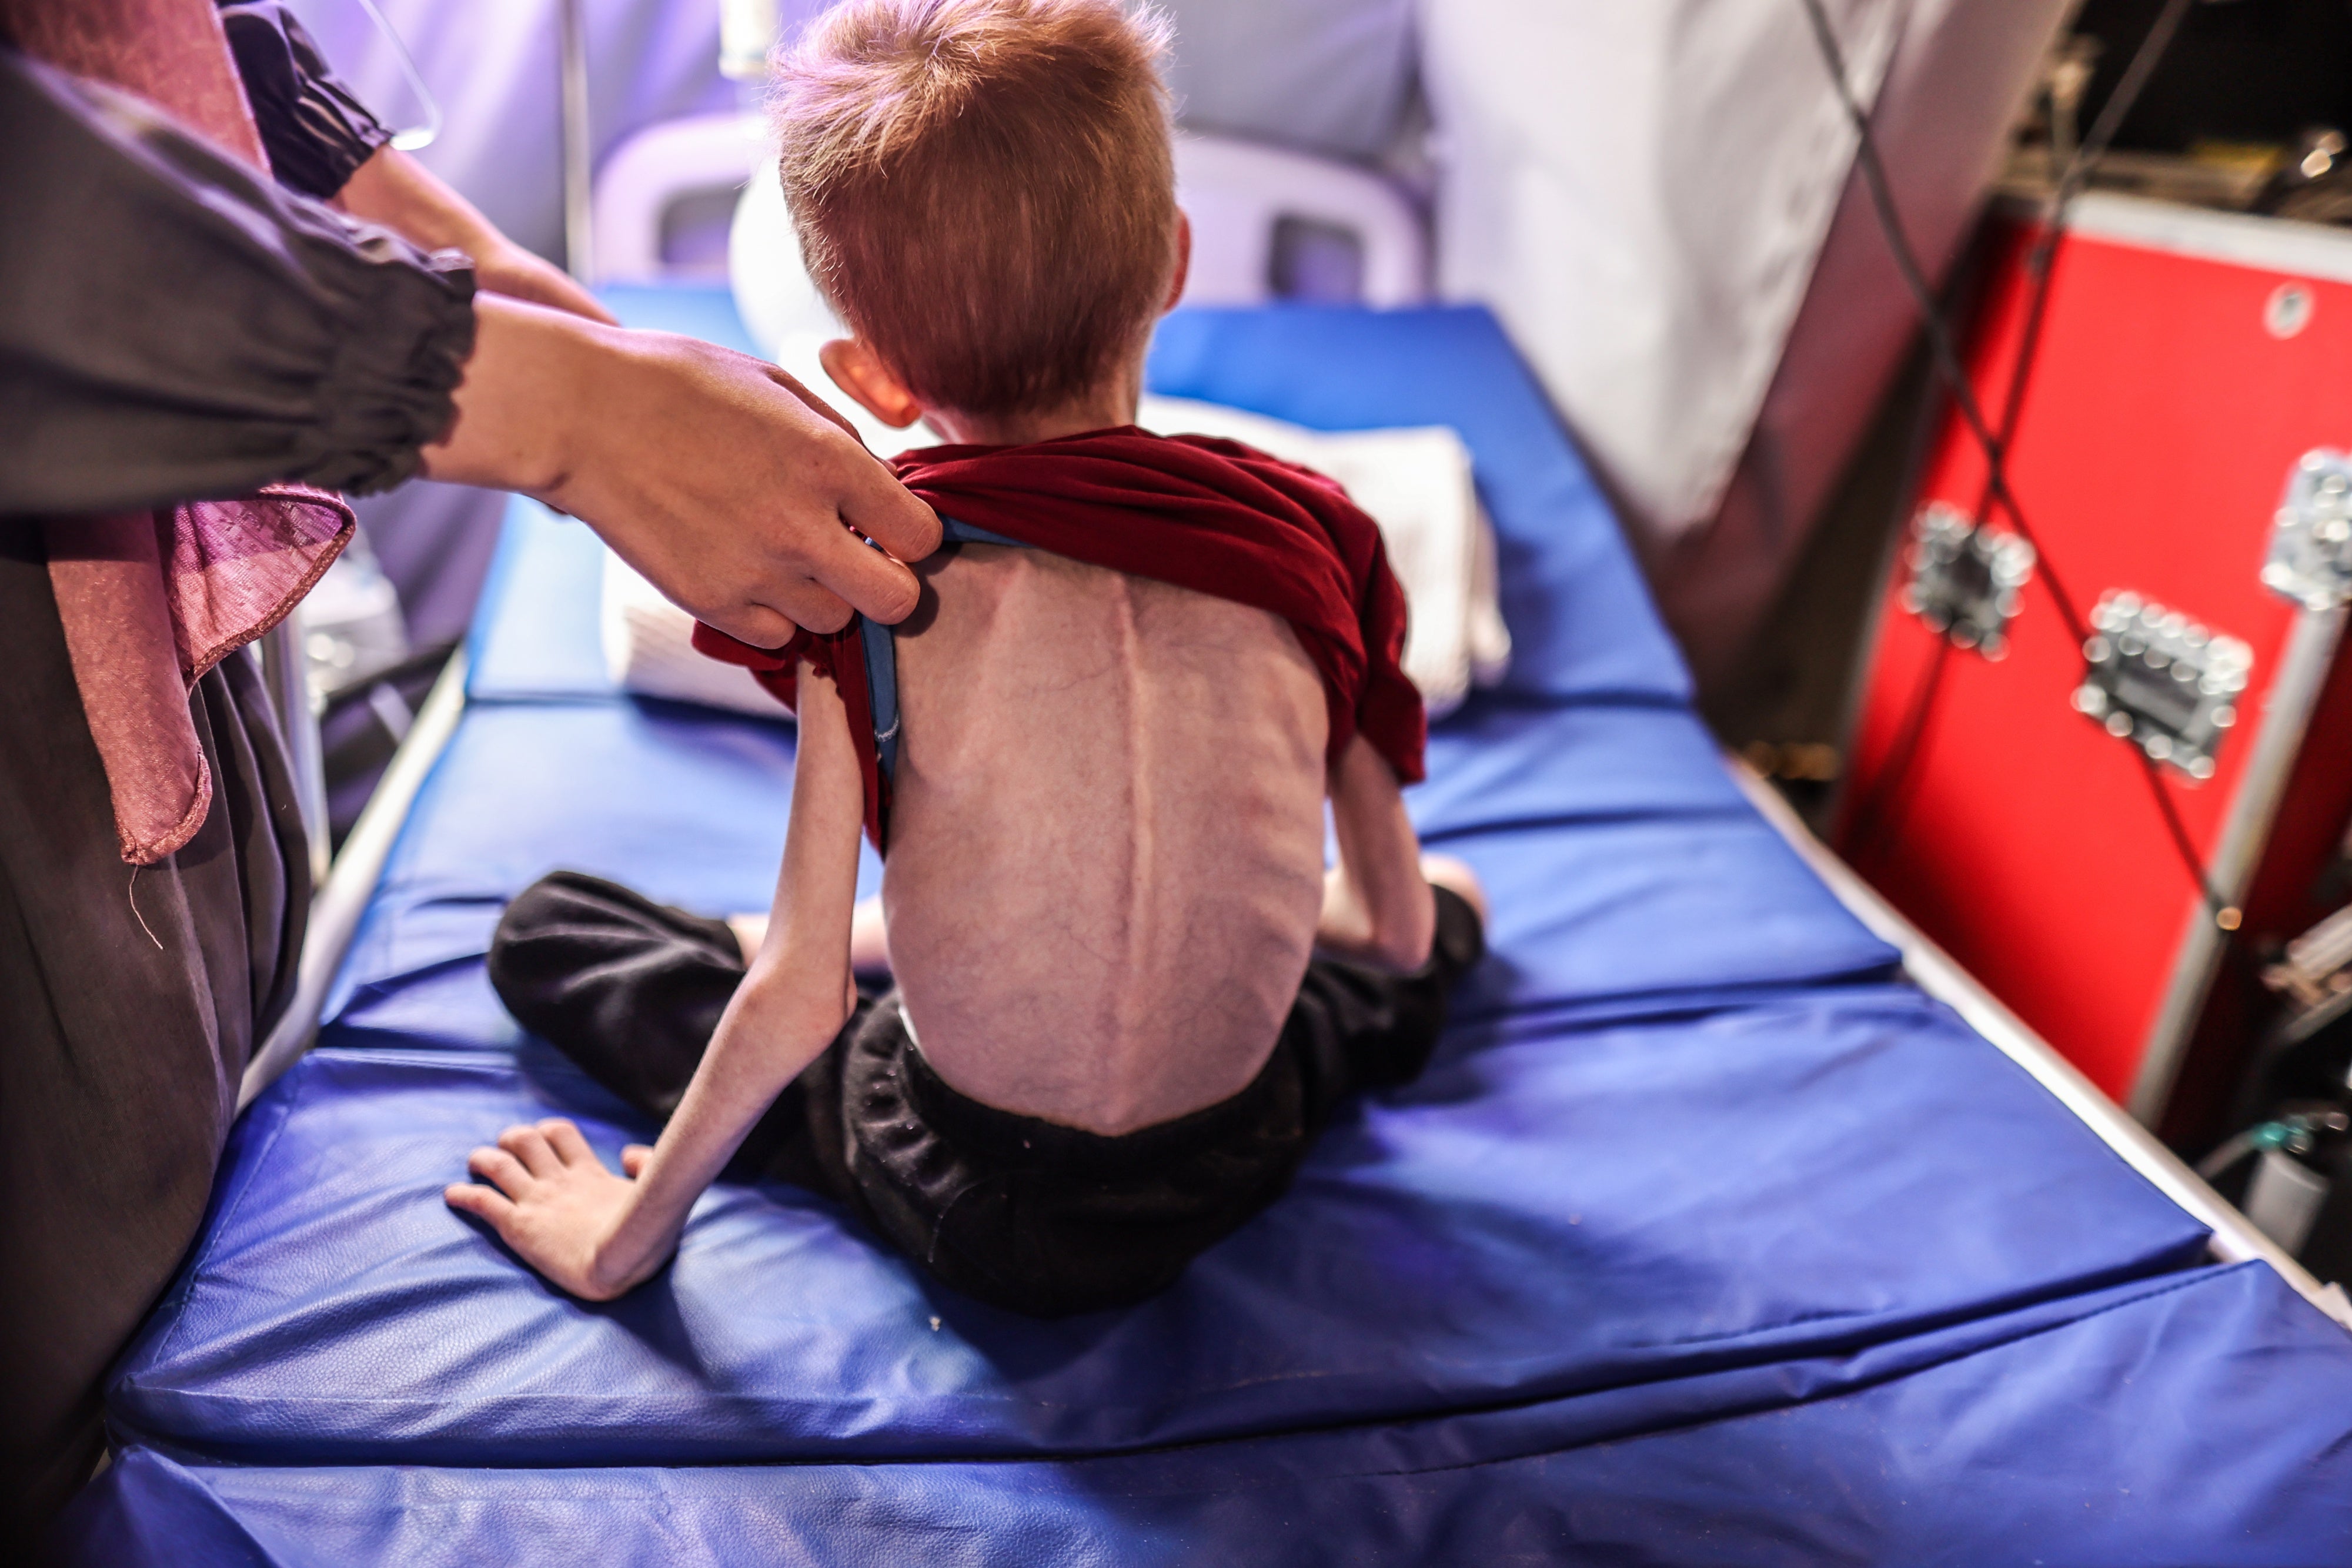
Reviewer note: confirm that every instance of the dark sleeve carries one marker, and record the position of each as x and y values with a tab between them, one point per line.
312	128
174	326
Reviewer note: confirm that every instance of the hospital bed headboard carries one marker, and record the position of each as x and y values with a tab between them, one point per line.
1240	194
1247	201
648	176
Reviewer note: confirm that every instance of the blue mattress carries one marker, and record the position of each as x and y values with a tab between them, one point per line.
1705	1238
1502	1232
2142	1425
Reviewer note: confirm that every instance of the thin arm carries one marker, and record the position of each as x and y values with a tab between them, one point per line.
1377	906
788	1008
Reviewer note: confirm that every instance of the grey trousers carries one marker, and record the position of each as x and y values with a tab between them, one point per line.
128	1009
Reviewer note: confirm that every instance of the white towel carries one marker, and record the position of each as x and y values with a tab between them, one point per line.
1415	482
650	649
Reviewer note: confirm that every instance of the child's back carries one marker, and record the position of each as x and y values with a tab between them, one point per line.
1105	860
1127	994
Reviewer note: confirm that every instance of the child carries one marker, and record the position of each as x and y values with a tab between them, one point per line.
1129	995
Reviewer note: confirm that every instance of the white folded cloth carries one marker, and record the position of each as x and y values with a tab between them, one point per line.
650	649
1415	482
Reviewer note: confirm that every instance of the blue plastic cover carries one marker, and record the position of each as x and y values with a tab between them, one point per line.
1547	1213
537	636
2197	1419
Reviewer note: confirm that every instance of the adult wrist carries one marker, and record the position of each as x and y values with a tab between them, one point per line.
522	400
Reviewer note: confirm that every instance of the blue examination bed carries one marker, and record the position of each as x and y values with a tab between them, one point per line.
1705	1238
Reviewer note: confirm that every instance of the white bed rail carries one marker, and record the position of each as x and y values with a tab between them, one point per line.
1237	193
351	883
2234	1237
651	172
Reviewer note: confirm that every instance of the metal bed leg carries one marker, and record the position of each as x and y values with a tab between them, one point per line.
571	60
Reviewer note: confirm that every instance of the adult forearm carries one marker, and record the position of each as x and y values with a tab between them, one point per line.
392	189
174	326
518	407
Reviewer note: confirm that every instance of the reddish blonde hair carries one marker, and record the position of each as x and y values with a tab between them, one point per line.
983	189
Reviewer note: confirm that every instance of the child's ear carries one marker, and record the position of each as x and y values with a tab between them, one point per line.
1183	260
857	370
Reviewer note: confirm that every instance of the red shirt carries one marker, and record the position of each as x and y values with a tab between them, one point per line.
1211	516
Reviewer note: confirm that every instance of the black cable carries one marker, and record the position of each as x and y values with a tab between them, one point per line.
1949	371
1881	809
1941	348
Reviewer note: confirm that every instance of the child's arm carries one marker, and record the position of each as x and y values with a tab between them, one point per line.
597	1234
1377	907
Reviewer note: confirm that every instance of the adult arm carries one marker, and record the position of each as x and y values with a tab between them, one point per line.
324	142
174	326
717	476
314	129
392	189
598	1234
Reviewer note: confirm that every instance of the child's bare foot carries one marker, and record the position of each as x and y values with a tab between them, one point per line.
869	940
751	930
1445	872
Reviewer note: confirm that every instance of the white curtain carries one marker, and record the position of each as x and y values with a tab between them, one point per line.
1640	190
1659	198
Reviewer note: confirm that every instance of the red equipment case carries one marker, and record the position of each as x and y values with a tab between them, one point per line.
2177	455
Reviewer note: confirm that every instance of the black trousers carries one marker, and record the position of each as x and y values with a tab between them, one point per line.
1026	1214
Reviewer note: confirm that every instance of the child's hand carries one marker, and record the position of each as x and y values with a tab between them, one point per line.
553	1202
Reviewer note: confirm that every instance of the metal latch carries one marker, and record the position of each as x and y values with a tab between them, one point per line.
2156	678
1965	579
2310	559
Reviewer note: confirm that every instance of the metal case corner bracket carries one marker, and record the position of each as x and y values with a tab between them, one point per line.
1965	580
2310	555
2156	678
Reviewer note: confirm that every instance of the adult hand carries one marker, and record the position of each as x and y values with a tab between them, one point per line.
726	483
